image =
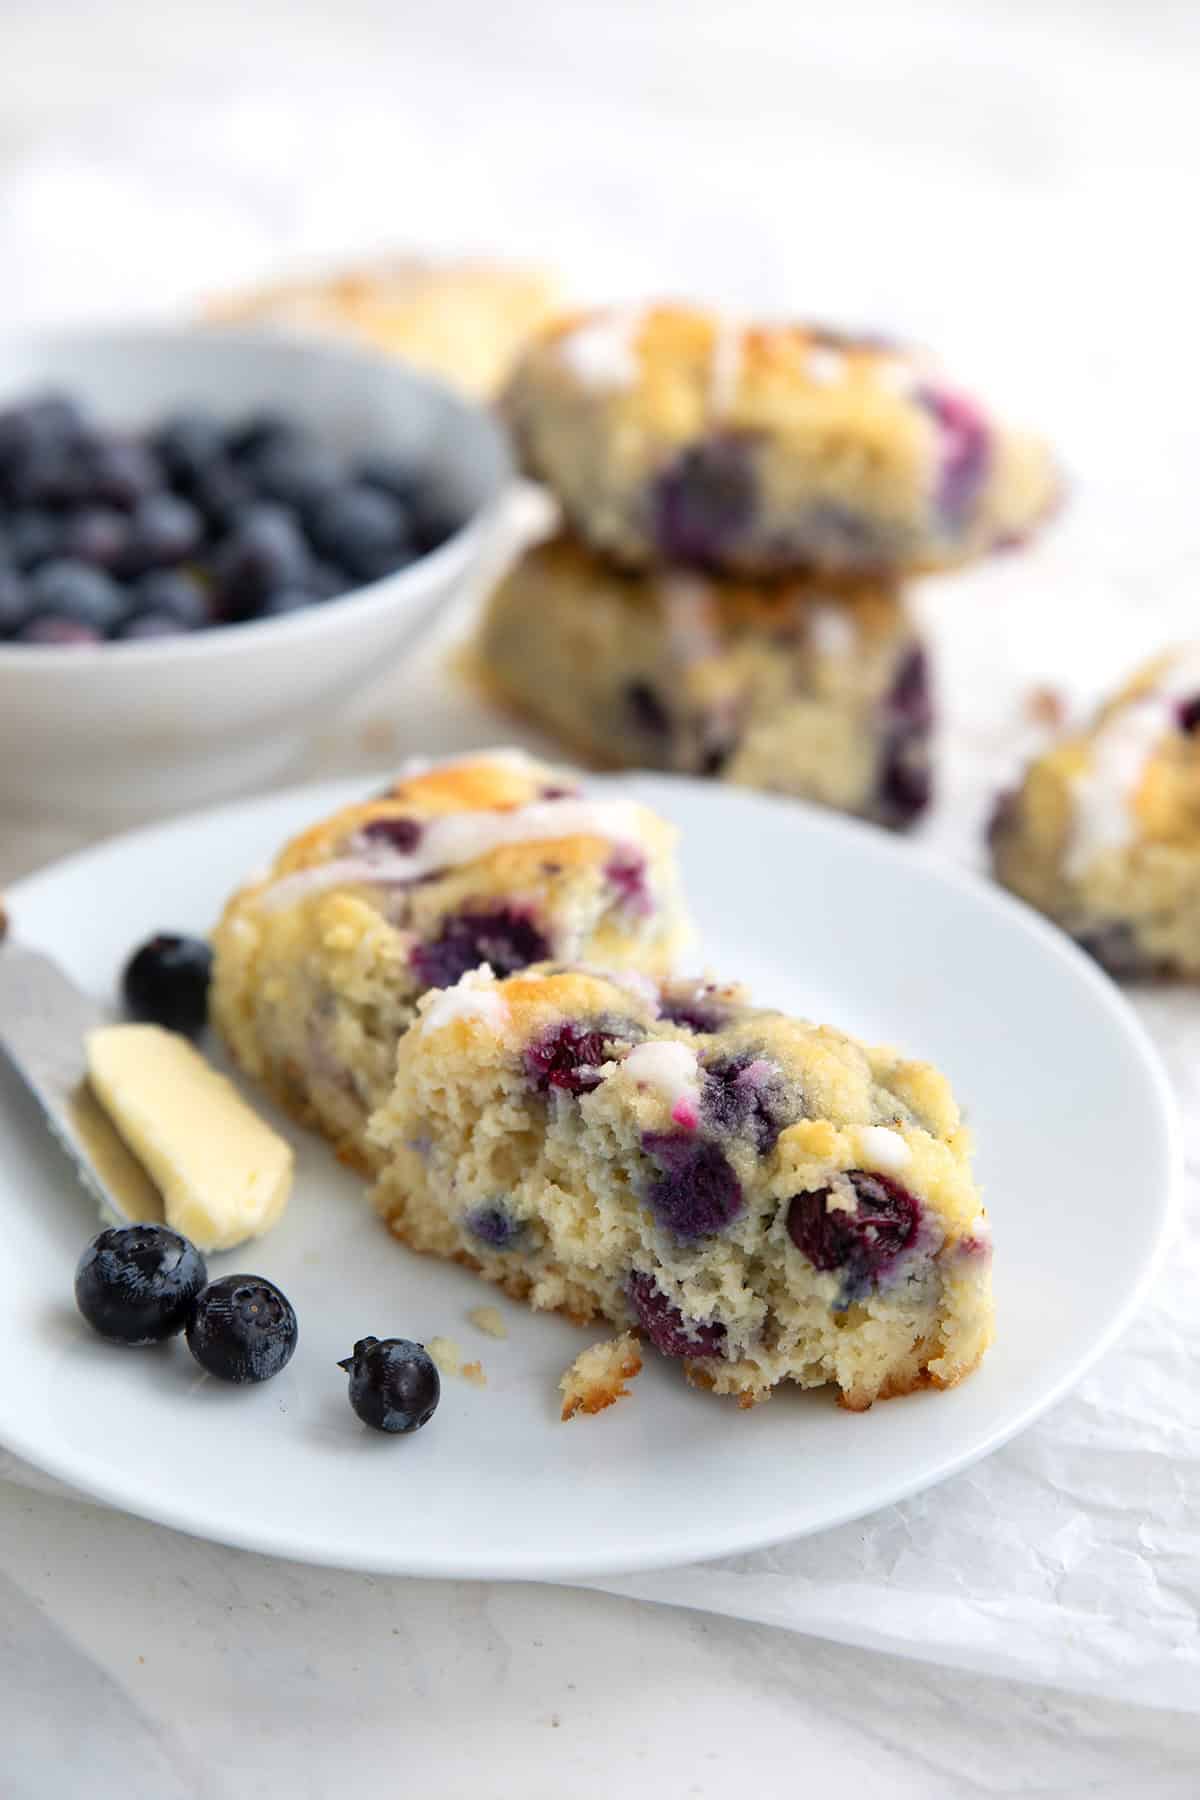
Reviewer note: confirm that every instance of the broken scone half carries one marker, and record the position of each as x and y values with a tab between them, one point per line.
765	1199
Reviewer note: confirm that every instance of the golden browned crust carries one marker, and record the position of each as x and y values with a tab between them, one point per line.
467	320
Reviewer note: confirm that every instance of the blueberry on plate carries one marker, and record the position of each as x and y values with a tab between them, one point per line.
394	1383
297	471
242	1329
165	982
68	589
137	1284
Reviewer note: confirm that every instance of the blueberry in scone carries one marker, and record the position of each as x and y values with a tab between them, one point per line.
497	859
813	686
673	436
1103	832
764	1199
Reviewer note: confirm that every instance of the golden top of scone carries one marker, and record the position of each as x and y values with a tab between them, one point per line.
1132	777
464	320
675	367
561	826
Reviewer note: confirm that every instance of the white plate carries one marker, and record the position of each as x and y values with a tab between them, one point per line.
1077	1153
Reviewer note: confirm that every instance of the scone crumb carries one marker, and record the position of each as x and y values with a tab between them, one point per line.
1046	706
489	1319
473	1372
446	1354
597	1377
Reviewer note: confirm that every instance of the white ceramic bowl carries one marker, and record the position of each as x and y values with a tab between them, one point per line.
134	728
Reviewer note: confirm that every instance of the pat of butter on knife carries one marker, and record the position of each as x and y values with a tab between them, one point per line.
225	1176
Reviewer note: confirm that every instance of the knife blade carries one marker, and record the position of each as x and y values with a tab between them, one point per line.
44	1020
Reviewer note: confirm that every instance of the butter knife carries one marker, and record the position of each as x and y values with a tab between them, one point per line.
44	1019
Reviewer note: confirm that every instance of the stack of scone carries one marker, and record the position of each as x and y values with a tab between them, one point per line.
742	507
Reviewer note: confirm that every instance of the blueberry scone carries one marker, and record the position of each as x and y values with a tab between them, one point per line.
320	962
765	1199
671	436
803	686
467	321
1103	833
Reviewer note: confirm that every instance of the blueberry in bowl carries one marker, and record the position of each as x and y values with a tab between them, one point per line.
208	540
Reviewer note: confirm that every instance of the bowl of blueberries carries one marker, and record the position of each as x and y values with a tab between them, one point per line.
208	541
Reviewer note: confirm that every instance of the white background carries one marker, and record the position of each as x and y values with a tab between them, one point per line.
1013	183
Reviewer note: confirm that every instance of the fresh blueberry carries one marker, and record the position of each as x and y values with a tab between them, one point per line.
665	1326
264	553
242	1329
503	937
1114	946
748	1095
1002	817
165	982
567	1057
693	1007
398	834
695	1191
864	1240
1188	714
493	1225
966	453
646	710
51	630
393	473
625	871
164	529
188	444
137	1284
14	603
66	589
249	437
295	470
394	1383
174	594
285	601
145	626
33	537
123	472
704	501
326	582
223	493
363	529
904	782
97	535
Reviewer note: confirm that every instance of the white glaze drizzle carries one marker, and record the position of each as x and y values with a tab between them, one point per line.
671	1070
602	351
687	603
725	367
883	1149
831	631
453	839
1104	792
825	367
473	996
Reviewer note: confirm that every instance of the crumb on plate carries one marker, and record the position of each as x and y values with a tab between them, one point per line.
489	1319
597	1377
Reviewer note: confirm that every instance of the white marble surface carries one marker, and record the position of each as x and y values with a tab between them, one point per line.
1010	182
